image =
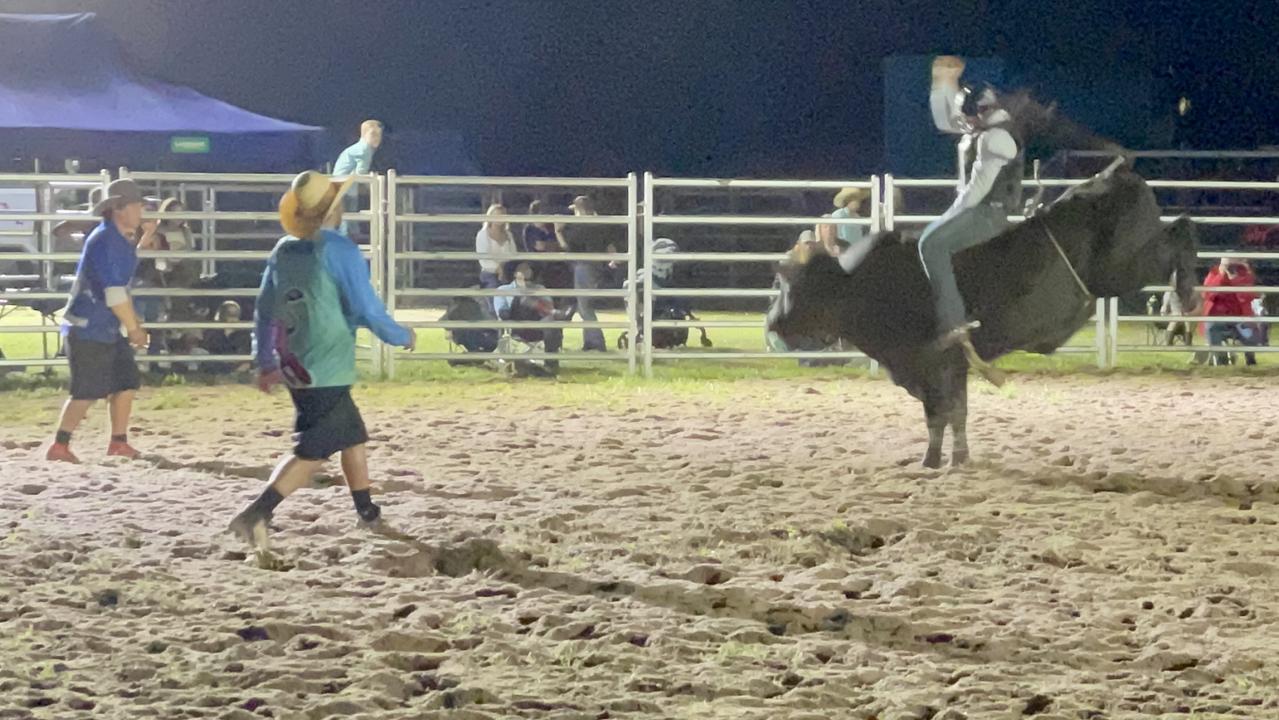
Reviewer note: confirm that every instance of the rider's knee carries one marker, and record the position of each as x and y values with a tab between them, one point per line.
933	252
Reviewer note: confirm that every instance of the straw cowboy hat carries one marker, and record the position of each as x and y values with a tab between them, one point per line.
847	195
176	232
310	199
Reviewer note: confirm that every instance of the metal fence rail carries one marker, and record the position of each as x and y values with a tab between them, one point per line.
388	225
394	255
208	185
654	185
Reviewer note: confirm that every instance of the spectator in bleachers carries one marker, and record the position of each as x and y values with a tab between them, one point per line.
494	238
1230	272
231	341
188	343
530	307
151	308
541	238
69	235
588	275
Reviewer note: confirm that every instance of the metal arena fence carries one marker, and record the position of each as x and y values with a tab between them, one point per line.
416	233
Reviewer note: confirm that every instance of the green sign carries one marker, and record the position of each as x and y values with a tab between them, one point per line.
189	145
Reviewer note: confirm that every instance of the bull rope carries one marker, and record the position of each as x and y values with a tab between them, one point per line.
1069	266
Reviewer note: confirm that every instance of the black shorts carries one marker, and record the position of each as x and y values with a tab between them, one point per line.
327	422
100	369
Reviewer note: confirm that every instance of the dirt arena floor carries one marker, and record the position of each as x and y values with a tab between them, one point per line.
749	549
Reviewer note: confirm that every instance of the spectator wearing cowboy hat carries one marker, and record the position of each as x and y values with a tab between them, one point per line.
587	274
315	292
175	235
848	204
102	362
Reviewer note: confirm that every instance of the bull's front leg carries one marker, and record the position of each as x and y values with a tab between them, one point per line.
936	433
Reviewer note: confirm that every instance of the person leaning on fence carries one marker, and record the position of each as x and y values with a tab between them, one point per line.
102	362
315	292
848	204
588	274
357	159
494	238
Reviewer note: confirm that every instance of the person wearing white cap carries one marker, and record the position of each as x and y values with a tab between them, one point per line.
315	293
102	361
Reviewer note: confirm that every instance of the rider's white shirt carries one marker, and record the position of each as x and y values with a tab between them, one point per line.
995	147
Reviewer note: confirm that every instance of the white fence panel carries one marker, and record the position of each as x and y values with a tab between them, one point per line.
389	221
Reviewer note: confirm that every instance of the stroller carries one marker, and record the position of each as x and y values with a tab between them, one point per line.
664	306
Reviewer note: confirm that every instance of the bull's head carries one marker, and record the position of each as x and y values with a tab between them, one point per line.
811	282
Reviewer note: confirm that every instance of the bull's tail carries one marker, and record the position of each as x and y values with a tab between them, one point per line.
1181	238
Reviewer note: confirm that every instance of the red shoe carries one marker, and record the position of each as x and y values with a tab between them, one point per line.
60	452
122	449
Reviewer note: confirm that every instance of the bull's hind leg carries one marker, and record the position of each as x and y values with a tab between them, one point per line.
945	397
936	411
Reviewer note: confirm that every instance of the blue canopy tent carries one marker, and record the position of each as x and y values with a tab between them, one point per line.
66	92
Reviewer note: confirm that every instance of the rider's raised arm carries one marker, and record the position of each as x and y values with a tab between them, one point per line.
945	103
946	99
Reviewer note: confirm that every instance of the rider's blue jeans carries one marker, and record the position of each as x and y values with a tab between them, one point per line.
937	247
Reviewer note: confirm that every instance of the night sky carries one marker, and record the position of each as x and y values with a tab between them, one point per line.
722	87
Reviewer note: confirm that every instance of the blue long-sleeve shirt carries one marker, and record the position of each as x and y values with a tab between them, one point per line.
360	305
357	159
502	304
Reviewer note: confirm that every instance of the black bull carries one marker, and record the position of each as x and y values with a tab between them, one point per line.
1018	285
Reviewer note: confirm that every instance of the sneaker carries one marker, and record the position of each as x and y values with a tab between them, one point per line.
370	515
249	527
122	449
60	452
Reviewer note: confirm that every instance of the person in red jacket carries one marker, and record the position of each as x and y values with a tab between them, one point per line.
1230	273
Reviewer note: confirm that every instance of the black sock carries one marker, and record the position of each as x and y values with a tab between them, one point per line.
266	502
364	505
62	438
120	438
